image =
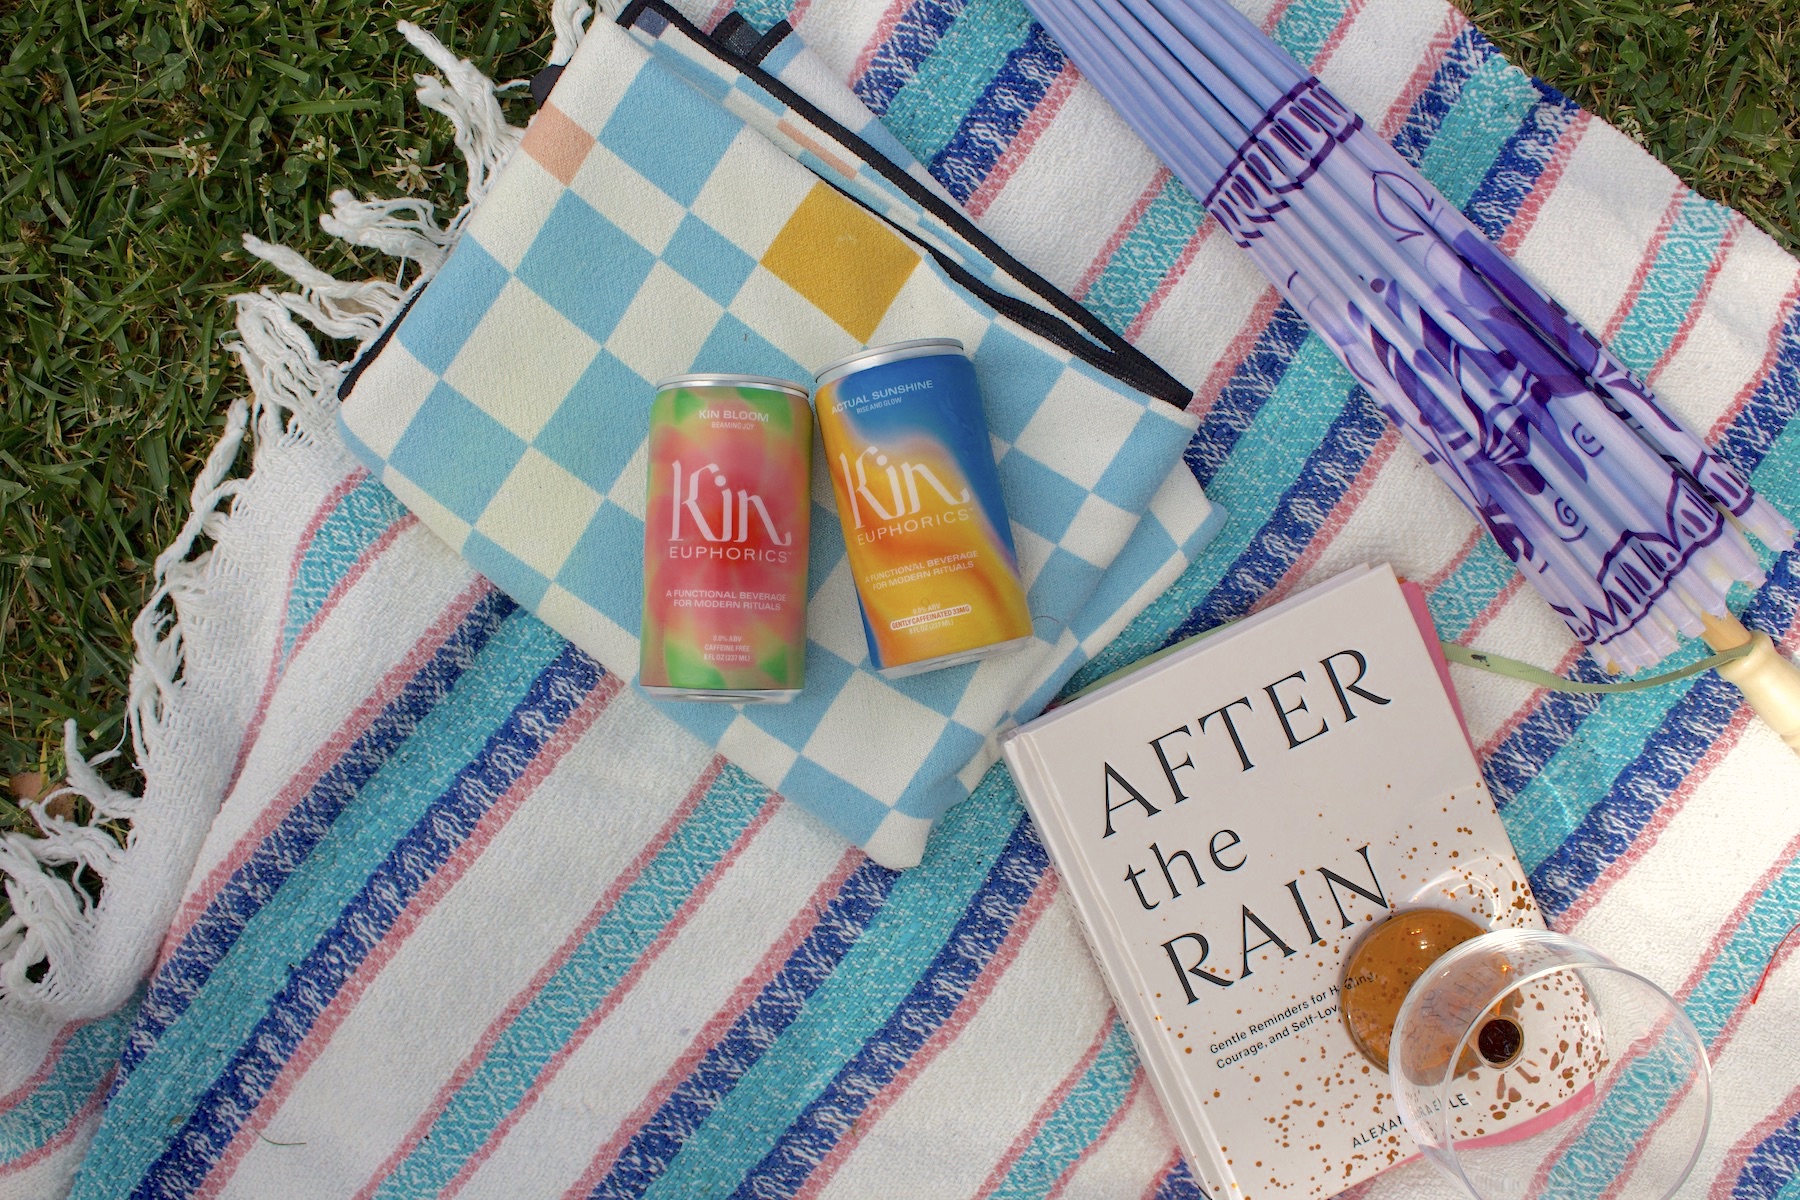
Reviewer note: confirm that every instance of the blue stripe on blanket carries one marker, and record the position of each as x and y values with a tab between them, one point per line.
645	1158
1630	1109
1304	434
944	985
84	1063
1520	164
555	690
928	108
253	885
1464	56
998	114
1180	1184
1772	1170
1077	1122
1663	760
357	522
1471	136
552	1017
914	39
772	1084
1243	398
444	752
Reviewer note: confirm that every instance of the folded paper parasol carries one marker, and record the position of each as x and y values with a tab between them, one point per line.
1626	523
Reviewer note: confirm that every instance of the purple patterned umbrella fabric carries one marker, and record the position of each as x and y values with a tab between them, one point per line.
1627	524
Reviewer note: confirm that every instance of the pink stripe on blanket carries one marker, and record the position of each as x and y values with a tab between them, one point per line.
427	898
1047	1109
1727	243
1336	37
280	655
1236	351
1548	178
1770	357
1666	812
1162	1177
1272	22
1106	1131
884	29
1171	277
1055	96
1646	263
941	1037
1454	24
35	1080
88	1113
797	931
1158	181
1334	522
328	754
498	1026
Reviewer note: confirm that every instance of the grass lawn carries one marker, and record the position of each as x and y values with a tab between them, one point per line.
140	139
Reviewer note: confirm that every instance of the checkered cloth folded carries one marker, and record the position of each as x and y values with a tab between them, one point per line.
668	214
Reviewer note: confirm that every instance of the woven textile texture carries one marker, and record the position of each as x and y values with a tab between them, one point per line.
652	225
473	920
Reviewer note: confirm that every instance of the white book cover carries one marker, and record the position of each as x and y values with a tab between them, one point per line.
1229	819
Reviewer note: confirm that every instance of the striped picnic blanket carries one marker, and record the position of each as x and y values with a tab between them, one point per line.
472	920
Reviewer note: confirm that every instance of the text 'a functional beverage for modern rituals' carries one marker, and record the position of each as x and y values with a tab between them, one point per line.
725	538
929	543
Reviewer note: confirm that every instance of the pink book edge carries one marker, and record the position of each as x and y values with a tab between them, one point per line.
1415	600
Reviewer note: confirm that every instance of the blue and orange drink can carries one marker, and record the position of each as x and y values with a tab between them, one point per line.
725	538
925	526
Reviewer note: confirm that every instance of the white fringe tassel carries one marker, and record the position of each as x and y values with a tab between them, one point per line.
569	19
293	396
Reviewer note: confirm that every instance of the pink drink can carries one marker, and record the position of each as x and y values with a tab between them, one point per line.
725	538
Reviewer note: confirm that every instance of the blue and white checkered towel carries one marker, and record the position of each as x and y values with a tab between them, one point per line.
667	214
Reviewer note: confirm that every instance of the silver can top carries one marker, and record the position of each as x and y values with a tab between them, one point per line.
763	382
874	356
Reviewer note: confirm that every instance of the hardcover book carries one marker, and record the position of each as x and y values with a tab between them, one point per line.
1229	818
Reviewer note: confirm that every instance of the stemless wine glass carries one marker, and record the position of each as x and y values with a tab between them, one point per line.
1526	1064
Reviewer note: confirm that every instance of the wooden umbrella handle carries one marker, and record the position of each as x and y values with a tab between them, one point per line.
1769	682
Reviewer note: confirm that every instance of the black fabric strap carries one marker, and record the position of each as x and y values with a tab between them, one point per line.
1101	347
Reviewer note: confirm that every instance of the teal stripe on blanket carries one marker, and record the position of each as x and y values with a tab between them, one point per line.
929	109
1629	1111
1306	25
1077	1122
1145	256
184	1063
81	1069
853	1004
355	524
1494	103
556	1013
1682	264
1466	593
1556	801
